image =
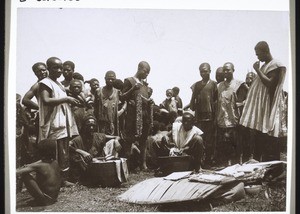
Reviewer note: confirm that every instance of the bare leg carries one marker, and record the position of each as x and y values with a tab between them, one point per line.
34	189
143	148
143	145
62	147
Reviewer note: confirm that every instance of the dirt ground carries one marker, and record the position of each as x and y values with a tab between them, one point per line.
83	199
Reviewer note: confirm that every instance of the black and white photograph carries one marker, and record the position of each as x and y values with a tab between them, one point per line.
149	108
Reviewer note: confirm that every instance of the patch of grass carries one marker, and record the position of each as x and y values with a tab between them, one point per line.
80	198
83	199
270	198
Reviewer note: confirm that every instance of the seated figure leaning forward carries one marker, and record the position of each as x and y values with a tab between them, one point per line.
42	178
184	139
89	146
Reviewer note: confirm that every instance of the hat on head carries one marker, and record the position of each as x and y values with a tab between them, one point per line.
189	112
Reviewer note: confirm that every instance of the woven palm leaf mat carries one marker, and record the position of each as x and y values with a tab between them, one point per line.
160	191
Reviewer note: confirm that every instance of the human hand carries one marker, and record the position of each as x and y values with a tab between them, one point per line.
151	101
90	105
136	86
166	139
180	152
256	66
118	146
88	158
72	100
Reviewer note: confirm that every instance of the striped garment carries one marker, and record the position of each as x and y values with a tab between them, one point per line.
258	114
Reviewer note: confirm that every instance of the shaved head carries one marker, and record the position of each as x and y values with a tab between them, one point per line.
263	46
143	64
219	70
251	74
143	70
55	67
204	65
219	74
169	92
110	74
35	67
51	61
110	78
250	77
69	63
230	64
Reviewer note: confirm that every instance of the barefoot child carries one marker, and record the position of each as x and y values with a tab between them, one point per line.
44	186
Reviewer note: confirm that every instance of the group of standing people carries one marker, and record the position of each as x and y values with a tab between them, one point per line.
240	120
261	119
116	120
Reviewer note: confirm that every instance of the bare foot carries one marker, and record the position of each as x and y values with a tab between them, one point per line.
67	184
144	167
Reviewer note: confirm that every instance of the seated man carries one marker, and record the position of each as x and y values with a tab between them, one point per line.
89	145
44	186
153	144
185	139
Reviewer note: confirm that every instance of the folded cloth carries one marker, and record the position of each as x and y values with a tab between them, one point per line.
124	167
175	176
211	178
175	152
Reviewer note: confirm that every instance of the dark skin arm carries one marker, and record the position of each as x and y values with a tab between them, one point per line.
192	102
193	99
168	140
109	137
45	94
29	95
87	157
162	105
123	109
27	168
242	94
270	80
179	103
128	89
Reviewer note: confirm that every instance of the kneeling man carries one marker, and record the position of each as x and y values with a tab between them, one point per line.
185	139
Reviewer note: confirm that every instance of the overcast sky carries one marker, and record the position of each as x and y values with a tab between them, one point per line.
174	42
